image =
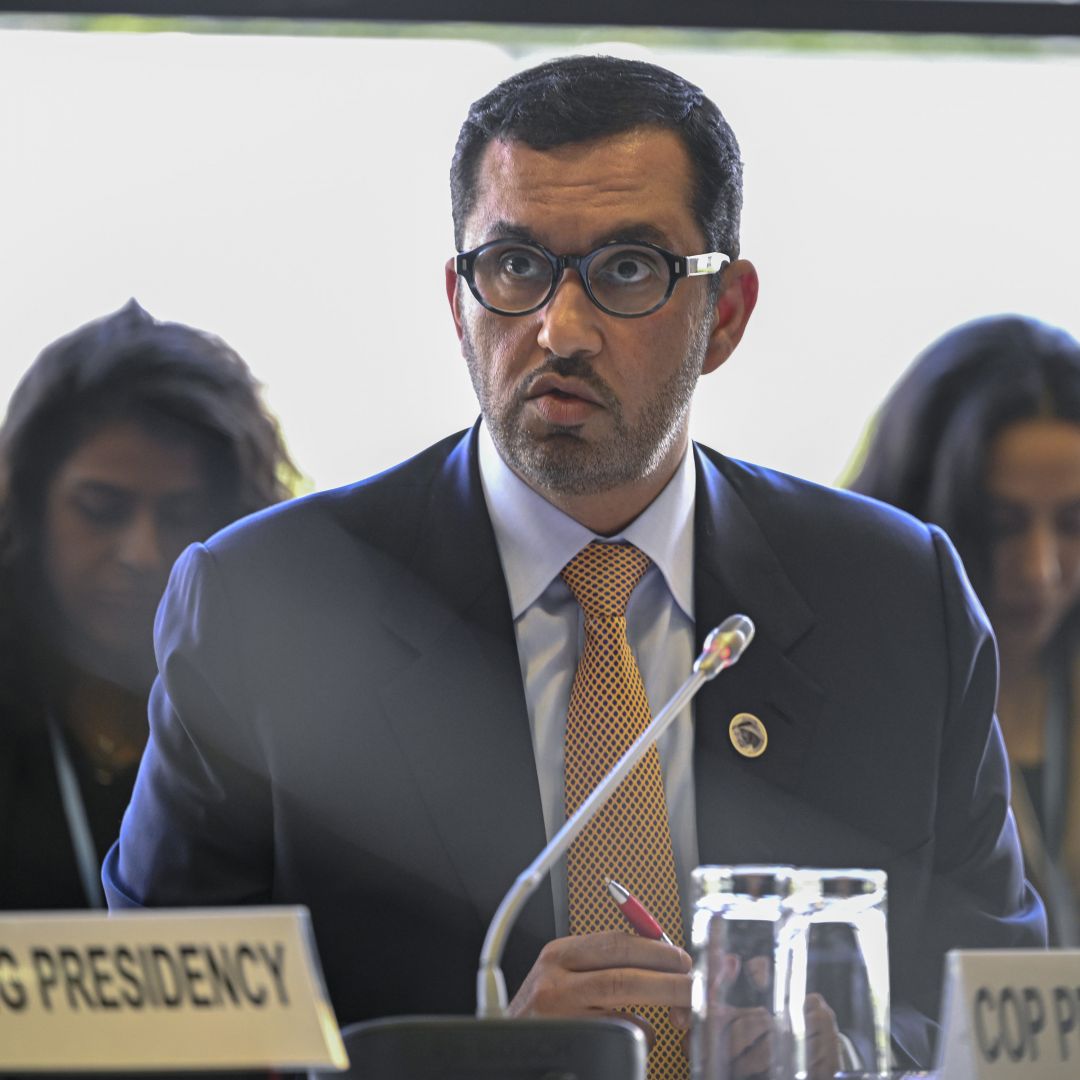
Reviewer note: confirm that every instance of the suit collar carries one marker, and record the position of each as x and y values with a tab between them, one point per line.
536	539
738	570
736	560
449	552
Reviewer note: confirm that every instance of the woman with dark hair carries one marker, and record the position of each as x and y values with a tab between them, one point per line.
982	437
125	441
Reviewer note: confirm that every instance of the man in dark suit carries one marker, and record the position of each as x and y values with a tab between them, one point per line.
364	695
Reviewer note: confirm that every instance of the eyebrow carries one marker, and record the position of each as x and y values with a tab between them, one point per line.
629	233
88	486
102	487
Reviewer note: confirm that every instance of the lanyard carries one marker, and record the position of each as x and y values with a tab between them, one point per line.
86	856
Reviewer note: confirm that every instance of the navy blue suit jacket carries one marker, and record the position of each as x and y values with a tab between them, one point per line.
340	722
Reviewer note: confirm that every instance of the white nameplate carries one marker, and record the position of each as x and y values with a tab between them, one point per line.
1011	1013
148	990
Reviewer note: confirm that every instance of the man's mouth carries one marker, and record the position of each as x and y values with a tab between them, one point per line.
562	403
560	388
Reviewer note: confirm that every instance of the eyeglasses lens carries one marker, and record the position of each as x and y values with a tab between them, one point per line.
628	279
624	278
512	277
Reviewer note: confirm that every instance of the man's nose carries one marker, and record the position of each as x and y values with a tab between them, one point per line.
140	543
1040	562
570	321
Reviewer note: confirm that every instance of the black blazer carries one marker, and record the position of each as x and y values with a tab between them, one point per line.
340	722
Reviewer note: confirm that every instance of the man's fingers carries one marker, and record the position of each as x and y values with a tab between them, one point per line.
820	1019
616	949
822	1038
679	1017
819	1010
613	988
603	972
640	1021
747	1030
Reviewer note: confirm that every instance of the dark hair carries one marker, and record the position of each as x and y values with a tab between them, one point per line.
578	98
929	450
177	381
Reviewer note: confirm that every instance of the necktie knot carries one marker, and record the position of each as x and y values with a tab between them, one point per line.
602	577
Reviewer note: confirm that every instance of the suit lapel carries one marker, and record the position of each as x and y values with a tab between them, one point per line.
736	570
456	617
459	710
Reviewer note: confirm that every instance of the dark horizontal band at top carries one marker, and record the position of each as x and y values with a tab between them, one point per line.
1011	17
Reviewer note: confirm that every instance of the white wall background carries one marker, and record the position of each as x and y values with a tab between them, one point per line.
290	194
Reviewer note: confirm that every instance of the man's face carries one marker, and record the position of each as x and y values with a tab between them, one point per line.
580	402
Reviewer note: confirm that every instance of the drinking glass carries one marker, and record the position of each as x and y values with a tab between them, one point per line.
736	929
833	965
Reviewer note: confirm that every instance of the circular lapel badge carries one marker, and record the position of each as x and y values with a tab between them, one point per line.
748	735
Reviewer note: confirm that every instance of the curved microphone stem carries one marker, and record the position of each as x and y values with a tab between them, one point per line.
722	648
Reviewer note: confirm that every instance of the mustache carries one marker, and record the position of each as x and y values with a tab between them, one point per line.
571	367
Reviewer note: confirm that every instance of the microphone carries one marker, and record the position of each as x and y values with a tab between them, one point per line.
722	648
494	1046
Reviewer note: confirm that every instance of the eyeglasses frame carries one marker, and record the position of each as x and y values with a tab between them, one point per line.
680	266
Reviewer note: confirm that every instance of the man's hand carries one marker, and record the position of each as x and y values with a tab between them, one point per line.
822	1039
597	974
739	1041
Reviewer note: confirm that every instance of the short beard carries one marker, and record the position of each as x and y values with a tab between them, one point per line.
563	463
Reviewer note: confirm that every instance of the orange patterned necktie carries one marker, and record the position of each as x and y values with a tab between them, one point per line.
629	840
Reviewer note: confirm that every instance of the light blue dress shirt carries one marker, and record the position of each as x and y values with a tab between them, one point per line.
535	541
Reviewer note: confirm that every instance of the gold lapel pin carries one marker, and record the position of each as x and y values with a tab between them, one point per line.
748	735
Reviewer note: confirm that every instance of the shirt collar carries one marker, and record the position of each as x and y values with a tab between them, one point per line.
536	539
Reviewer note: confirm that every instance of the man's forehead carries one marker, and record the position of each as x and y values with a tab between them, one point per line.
634	149
638	176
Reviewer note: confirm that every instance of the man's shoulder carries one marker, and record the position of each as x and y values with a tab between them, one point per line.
825	536
378	510
780	501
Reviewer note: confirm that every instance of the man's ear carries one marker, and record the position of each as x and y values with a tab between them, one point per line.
734	306
453	295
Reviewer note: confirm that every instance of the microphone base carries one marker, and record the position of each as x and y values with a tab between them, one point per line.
465	1048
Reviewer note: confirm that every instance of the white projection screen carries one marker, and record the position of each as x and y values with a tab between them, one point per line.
287	190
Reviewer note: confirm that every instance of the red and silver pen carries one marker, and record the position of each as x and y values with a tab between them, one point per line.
636	915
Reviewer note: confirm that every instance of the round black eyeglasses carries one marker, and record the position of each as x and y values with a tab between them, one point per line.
517	277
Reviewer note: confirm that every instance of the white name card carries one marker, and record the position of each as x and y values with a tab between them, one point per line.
198	988
1011	1013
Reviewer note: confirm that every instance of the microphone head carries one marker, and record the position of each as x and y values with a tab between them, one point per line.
725	644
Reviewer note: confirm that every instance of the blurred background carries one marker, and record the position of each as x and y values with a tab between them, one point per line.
284	184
